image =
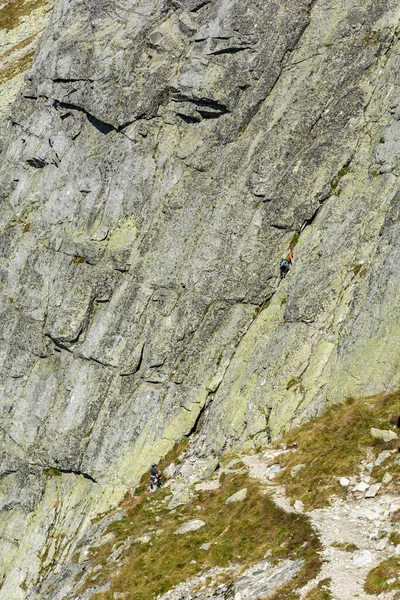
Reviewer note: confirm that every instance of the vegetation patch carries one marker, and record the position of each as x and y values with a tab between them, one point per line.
18	66
384	578
333	445
321	592
15	10
238	533
345	546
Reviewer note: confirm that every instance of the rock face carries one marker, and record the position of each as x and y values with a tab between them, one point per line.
160	158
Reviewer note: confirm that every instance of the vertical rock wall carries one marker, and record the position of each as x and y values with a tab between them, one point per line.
161	157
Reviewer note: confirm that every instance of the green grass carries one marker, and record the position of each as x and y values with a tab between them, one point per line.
239	532
321	592
333	445
345	546
376	581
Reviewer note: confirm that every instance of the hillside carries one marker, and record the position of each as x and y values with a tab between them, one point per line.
158	160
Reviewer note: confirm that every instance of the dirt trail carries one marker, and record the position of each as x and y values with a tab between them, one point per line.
362	522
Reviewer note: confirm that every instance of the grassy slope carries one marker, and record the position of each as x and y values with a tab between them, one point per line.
239	532
332	446
377	579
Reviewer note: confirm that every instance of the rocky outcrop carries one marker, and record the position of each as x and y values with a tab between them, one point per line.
160	158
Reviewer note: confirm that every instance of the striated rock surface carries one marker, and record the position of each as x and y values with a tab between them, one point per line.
21	23
158	161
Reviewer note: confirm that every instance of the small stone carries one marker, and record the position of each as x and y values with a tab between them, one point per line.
373	490
190	526
143	539
238	497
387	478
159	532
273	471
391	580
363	558
361	487
100	234
397	550
386	435
382	456
382	544
170	471
296	469
344	482
298	506
206	546
158	519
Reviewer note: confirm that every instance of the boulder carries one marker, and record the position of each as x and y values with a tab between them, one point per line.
263	579
170	471
190	526
373	490
237	497
194	470
386	435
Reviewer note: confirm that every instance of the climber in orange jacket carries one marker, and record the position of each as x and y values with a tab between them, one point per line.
286	263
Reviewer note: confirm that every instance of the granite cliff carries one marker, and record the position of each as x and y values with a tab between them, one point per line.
159	159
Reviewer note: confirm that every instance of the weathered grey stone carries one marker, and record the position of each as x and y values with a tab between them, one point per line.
169	471
361	487
362	558
263	579
237	497
295	470
143	539
190	526
386	435
382	457
160	159
387	478
344	482
373	490
206	546
273	471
